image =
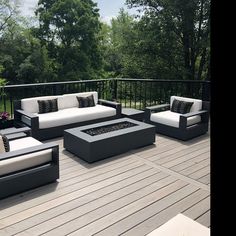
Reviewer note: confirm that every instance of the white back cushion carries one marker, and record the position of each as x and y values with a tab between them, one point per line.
31	105
64	101
197	103
70	100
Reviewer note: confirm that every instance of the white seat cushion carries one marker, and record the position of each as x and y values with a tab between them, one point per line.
172	118
181	225
197	104
74	115
25	161
18	144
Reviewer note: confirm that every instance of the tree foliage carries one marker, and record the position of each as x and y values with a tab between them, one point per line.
138	49
186	25
22	57
8	13
66	41
70	31
122	37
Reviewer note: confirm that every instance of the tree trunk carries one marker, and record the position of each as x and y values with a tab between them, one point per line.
186	55
208	76
188	42
202	63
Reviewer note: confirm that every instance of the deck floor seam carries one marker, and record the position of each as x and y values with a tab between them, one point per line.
175	174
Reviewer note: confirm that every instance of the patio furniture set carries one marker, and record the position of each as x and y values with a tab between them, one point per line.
93	129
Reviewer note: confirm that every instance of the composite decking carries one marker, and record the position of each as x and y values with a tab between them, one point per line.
129	194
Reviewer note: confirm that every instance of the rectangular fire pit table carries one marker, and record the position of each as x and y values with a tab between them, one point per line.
101	140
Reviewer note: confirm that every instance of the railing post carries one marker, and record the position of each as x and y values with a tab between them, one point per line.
3	101
206	91
114	89
189	90
57	89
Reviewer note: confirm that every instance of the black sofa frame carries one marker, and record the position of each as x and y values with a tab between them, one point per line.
53	132
20	181
184	132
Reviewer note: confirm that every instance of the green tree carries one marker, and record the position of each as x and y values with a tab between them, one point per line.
189	22
3	82
105	45
139	49
9	11
38	67
122	41
70	31
23	58
14	48
155	52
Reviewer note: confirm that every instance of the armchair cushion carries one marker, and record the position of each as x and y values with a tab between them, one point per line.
70	100
181	106
46	106
25	161
197	103
4	144
172	118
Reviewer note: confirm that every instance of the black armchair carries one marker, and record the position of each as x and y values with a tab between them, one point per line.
29	164
180	126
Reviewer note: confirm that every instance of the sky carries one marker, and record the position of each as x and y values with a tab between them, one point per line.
108	8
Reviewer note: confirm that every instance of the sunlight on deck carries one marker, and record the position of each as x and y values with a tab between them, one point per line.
130	194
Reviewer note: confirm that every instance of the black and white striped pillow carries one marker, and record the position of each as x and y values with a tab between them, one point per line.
86	101
46	106
181	107
4	144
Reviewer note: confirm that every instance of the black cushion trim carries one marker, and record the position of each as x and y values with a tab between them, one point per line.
86	101
46	106
181	107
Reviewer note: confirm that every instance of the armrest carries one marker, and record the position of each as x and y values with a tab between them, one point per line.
194	113
148	110
19	130
25	151
33	119
21	112
115	105
159	107
106	102
183	117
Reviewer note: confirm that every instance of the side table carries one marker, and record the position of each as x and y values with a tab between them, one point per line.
133	114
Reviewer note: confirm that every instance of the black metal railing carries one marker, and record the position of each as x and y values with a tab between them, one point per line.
139	93
136	93
16	92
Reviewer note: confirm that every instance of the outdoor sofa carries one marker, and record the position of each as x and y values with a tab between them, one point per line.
28	164
177	121
69	115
